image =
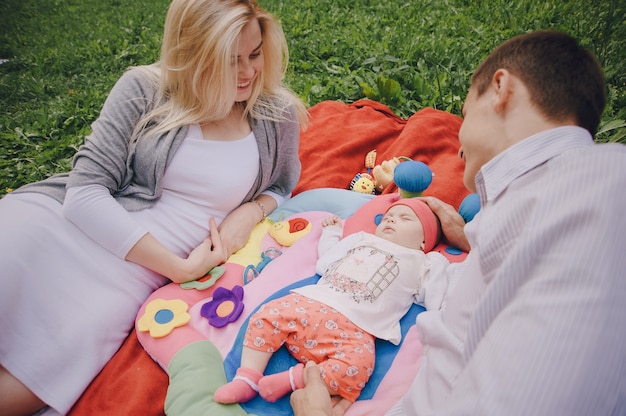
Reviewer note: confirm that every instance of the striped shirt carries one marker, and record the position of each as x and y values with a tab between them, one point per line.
536	324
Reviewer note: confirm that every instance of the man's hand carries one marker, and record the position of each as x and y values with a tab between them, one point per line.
314	399
452	224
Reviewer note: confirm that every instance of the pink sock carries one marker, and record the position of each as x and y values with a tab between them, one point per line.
244	387
275	386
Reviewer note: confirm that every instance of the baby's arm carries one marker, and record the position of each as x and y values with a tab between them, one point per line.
332	232
441	278
332	220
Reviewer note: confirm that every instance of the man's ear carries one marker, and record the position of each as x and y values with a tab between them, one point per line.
502	88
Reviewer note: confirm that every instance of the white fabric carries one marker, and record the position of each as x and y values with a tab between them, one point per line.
200	171
115	230
66	303
535	325
371	281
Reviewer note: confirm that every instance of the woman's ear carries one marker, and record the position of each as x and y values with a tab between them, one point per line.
423	245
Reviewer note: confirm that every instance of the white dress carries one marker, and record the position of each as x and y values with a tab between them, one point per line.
67	304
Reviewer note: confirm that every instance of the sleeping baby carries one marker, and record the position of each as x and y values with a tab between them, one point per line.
368	283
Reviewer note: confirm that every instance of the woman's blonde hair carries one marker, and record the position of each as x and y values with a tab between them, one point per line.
196	75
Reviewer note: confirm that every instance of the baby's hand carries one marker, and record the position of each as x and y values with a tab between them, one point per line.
332	220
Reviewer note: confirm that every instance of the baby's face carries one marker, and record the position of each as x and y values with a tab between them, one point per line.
401	225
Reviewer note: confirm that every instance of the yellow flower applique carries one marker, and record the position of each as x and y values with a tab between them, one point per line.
162	316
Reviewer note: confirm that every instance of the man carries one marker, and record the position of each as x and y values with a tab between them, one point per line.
535	324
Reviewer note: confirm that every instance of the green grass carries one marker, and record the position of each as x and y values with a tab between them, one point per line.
64	56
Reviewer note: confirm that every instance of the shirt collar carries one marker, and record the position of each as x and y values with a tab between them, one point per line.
497	174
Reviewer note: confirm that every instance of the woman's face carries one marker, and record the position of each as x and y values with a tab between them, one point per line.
250	59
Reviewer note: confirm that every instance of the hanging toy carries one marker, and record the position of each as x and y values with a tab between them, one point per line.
364	182
412	178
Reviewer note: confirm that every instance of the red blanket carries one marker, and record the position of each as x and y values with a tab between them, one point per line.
332	151
334	147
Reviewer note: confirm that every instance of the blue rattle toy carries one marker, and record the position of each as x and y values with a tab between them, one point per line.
412	178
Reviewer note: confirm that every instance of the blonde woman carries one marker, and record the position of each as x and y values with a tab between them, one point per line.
187	155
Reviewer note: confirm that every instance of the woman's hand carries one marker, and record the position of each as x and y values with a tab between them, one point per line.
208	254
237	226
151	254
452	224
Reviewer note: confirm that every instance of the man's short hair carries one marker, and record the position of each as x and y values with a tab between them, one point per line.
563	78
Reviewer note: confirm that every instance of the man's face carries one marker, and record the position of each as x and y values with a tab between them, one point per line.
476	135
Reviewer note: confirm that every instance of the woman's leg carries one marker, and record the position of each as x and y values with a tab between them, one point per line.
15	397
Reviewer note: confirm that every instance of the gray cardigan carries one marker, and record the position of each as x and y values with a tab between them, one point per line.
132	170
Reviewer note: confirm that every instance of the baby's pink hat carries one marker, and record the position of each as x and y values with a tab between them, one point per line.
427	218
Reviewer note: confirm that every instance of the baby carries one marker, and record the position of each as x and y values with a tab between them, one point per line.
368	283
